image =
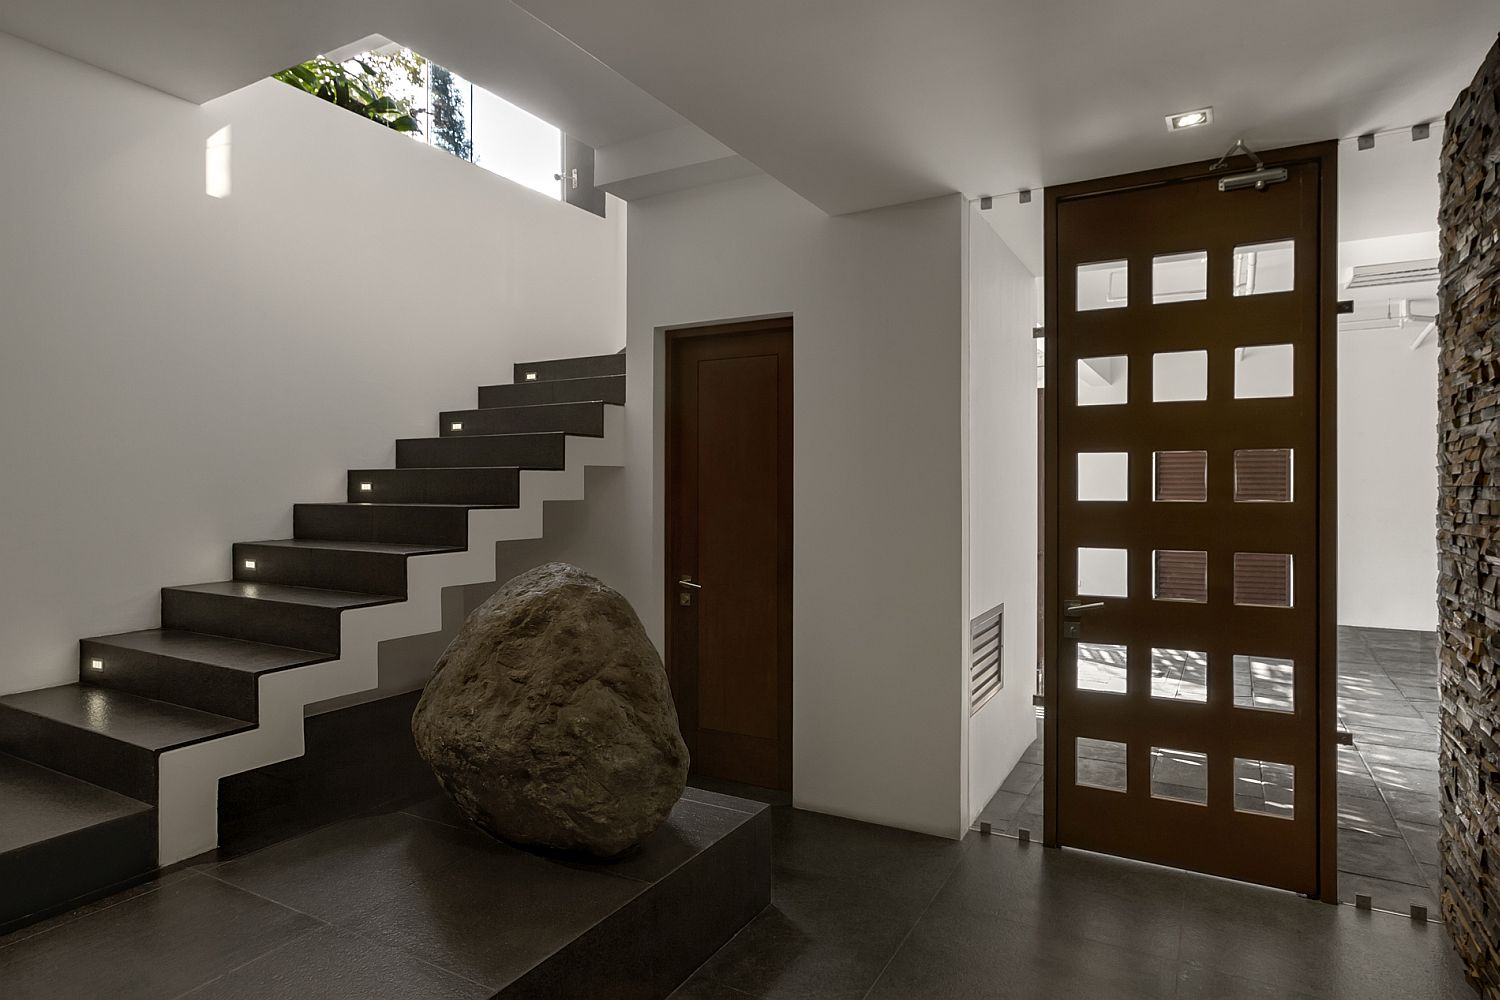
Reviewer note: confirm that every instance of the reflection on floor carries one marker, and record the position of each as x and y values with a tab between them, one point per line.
1388	781
1388	789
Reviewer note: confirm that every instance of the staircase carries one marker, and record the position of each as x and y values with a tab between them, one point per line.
104	780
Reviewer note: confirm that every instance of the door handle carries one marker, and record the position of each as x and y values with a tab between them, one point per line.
687	581
1071	608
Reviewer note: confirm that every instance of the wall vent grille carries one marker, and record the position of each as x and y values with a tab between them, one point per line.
987	666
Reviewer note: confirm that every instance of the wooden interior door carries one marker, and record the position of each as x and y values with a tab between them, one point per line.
1189	597
729	548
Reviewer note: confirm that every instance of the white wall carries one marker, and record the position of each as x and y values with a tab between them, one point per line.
876	300
1002	497
177	370
1388	441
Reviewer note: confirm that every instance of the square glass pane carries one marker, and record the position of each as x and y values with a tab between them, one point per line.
1263	683
1263	371
1100	764
1263	579
1179	277
1179	575
1103	572
1104	475
1263	268
1179	377
1180	476
1179	775
1101	667
1105	285
1264	787
1179	675
1103	381
1263	475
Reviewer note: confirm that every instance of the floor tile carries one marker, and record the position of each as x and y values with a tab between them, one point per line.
351	865
822	936
334	965
1386	894
955	952
902	863
492	915
158	944
1380	857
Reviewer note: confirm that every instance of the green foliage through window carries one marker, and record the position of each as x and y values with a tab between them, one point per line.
365	88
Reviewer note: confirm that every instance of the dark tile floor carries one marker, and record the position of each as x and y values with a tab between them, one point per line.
402	903
867	913
859	912
1388	787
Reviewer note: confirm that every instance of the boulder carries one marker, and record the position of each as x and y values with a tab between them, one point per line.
549	720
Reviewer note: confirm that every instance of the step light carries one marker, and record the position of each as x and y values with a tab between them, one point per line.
531	376
366	487
1189	119
455	426
96	664
249	563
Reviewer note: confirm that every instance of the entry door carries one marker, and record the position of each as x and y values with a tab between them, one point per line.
1190	667
729	548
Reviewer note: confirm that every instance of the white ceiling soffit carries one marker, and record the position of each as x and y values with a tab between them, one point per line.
202	49
856	104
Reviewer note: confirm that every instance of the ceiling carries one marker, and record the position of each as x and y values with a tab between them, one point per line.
856	104
1390	190
202	49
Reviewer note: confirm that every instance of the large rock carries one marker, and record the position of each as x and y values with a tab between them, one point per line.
549	720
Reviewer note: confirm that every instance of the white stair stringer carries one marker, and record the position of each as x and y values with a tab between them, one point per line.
188	783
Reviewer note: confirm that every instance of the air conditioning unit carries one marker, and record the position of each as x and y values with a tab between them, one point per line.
1400	273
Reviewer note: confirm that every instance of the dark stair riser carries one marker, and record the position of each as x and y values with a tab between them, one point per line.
526	451
586	419
475	487
376	522
322	569
204	686
281	623
606	389
566	368
113	764
67	871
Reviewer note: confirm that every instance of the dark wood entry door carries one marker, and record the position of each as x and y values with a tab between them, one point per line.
1189	596
729	548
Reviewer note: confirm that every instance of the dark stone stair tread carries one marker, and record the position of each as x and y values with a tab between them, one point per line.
560	381
41	804
392	548
215	650
151	725
343	600
500	434
446	468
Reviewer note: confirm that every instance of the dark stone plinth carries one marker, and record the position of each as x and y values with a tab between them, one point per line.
705	874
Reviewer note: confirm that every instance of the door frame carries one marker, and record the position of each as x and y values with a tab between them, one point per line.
673	337
1325	155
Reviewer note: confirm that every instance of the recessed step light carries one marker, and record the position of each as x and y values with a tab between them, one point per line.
531	376
96	664
455	426
1189	119
366	487
249	563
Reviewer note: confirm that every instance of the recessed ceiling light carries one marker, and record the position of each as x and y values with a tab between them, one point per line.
1189	119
